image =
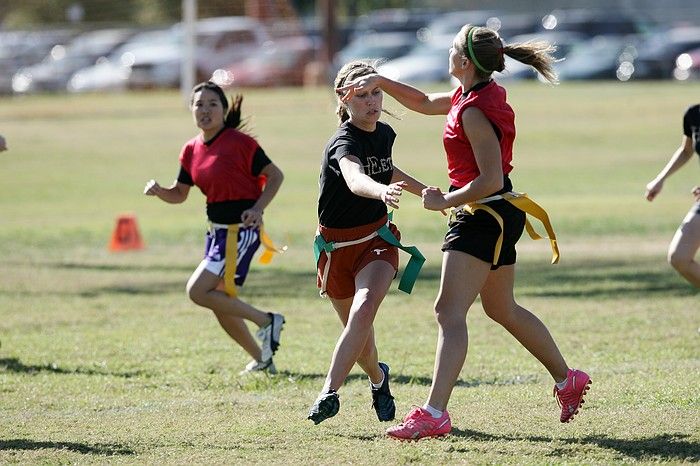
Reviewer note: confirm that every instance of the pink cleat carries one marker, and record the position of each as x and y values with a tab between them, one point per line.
418	424
570	398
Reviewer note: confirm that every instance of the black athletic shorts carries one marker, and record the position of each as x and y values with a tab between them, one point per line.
477	234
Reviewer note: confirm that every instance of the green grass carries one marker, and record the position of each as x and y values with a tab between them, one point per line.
103	359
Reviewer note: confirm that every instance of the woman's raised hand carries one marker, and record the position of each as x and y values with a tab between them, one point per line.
363	83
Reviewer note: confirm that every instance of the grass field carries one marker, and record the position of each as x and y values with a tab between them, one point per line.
104	360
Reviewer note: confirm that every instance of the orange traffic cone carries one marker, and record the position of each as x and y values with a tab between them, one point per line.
126	234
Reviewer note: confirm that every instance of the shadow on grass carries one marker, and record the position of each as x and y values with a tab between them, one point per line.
665	447
18	367
413	380
144	289
581	278
122	267
96	449
599	278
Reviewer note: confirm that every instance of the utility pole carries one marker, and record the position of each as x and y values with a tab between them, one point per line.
187	69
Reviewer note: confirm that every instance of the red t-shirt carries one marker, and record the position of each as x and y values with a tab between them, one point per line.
223	169
491	100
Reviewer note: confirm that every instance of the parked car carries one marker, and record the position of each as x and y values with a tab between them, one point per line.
379	45
393	20
219	43
564	41
513	24
53	73
451	22
19	49
688	66
593	23
224	41
599	58
658	54
112	72
281	63
427	62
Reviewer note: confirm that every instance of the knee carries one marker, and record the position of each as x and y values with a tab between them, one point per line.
678	261
196	294
363	313
447	315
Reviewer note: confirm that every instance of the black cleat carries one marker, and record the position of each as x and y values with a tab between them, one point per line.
325	406
382	401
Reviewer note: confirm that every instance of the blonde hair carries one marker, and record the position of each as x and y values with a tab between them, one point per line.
484	47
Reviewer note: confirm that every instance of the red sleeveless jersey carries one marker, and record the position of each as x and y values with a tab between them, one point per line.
222	170
491	100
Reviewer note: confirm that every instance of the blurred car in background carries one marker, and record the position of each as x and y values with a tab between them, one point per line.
602	57
111	73
687	66
427	62
657	54
53	73
595	23
279	63
20	49
224	41
219	43
451	22
564	41
393	20
378	45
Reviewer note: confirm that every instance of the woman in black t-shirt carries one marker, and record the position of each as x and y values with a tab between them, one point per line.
358	181
686	241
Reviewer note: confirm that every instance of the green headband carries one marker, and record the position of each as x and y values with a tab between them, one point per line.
472	57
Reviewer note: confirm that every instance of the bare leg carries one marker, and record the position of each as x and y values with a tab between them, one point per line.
230	312
462	278
239	332
368	358
201	289
371	285
684	246
499	304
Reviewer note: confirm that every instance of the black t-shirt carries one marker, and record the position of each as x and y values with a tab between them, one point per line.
691	126
338	207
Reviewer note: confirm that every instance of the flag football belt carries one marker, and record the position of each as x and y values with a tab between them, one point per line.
410	273
522	202
232	252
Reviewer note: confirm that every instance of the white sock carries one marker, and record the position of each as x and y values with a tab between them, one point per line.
377	385
436	414
562	384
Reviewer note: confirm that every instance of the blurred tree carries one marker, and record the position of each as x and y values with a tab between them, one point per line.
25	13
157	11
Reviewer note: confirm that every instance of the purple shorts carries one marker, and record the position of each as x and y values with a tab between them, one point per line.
228	252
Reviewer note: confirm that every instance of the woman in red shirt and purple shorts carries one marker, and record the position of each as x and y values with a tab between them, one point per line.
239	181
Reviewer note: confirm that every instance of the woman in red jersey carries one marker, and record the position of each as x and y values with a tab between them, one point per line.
686	241
479	247
239	182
